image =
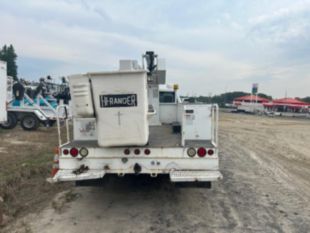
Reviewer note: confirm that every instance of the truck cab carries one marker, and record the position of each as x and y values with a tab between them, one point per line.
129	121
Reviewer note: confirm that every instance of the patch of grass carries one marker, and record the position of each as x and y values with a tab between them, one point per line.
29	172
24	169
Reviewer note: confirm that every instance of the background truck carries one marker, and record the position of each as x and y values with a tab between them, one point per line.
129	121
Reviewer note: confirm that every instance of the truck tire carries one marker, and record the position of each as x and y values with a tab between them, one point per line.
30	122
51	123
11	121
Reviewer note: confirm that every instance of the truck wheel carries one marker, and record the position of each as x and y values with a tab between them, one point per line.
11	121
30	122
51	123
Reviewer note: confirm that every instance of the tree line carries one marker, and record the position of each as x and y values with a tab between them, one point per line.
8	54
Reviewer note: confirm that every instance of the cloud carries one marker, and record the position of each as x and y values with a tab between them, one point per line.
283	25
208	45
295	9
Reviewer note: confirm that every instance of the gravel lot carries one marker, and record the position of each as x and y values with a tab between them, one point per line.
266	188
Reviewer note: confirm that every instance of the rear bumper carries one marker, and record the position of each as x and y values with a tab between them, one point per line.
68	175
175	175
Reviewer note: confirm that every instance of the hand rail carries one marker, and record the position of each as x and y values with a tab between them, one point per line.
58	123
215	120
217	124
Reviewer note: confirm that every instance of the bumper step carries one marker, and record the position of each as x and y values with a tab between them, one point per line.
68	175
192	176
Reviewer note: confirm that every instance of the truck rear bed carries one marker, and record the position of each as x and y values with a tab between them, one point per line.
160	137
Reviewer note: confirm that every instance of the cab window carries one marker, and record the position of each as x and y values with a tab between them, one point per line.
166	97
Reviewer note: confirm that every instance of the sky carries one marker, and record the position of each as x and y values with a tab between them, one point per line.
210	46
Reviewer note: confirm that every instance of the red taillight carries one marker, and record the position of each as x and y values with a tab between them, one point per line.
137	151
201	152
74	152
147	151
65	151
210	152
127	151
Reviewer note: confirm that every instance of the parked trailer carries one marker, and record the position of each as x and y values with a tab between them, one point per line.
31	113
130	122
250	107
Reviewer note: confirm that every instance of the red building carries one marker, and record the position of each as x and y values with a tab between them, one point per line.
287	105
250	99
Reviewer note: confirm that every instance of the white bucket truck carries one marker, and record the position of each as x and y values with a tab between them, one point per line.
3	93
130	122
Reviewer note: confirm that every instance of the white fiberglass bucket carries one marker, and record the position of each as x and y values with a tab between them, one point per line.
121	107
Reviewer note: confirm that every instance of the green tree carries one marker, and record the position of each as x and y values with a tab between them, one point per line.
265	96
306	99
7	54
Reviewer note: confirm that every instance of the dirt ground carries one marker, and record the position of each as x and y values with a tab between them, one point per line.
266	188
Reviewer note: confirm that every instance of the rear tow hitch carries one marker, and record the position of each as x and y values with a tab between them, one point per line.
137	168
81	170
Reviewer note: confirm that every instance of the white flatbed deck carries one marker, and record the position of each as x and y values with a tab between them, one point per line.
160	137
